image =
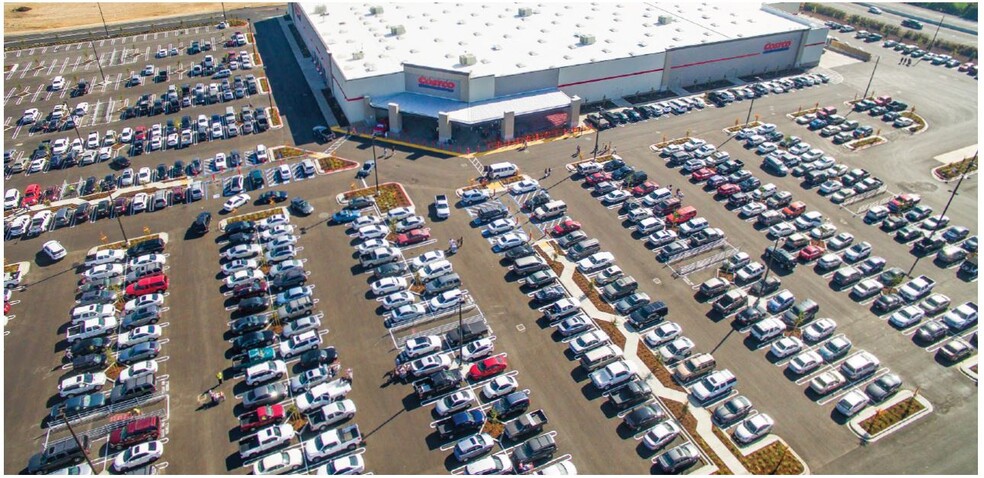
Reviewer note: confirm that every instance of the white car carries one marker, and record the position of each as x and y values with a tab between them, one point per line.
216	130
749	273
376	231
279	254
524	186
500	226
398	299
473	196
284	172
31	115
139	202
138	335
400	213
907	316
420	346
239	264
753	428
678	349
962	316
431	364
829	261
410	223
372	244
300	325
786	346
752	209
235	202
270	234
242	251
11	199
138	455
244	276
852	403
103	271
321	395
388	285
426	258
613	374
819	330
596	261
279	462
478	349
616	196
144	300
137	370
82	383
473	446
54	250
511	239
588	341
445	300
782	229
367	220
661	434
662	334
37	165
346	465
143	175
57	83
499	386
454	402
265	371
337	411
498	464
805	362
302	342
434	270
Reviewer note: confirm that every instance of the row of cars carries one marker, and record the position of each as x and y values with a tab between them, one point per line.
937	59
114	322
611	119
274	324
665	338
911	223
763	88
604	361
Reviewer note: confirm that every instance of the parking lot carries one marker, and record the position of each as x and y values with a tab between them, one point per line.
389	415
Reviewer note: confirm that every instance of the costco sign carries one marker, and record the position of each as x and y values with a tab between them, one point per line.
773	47
436	83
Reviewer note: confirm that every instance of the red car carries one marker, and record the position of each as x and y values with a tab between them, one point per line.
702	174
140	133
810	253
250	289
148	285
488	367
413	237
261	417
599	177
137	431
644	188
569	225
826	111
31	195
793	210
883	100
728	189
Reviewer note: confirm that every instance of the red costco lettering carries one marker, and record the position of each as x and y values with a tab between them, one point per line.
781	45
436	83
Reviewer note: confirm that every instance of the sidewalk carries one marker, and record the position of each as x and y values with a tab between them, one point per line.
703	417
314	80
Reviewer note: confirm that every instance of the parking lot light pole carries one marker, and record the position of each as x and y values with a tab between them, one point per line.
119	221
77	442
96	53
597	138
375	164
103	19
461	337
752	103
224	18
768	268
872	78
953	194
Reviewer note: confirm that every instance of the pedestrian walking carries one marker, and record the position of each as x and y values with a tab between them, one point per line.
348	375
613	150
461	241
578	149
546	172
219	376
549	172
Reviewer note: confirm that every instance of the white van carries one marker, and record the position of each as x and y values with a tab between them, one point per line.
768	329
550	209
500	170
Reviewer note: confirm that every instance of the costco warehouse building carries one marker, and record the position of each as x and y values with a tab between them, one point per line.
447	69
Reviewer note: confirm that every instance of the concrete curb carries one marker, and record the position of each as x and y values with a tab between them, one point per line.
966	365
855	423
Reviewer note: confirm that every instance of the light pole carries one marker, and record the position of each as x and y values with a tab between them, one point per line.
872	78
461	336
953	194
375	164
103	19
768	268
597	137
752	103
77	442
224	18
96	53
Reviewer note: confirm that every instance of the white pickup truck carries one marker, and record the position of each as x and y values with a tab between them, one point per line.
333	442
91	328
442	208
265	439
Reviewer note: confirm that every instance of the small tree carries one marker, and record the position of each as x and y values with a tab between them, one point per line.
321	10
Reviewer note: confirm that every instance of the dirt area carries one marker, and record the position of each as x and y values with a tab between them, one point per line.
66	16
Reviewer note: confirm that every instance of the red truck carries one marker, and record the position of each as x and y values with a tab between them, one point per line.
261	417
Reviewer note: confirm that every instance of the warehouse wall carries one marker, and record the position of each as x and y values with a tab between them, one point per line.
729	59
613	78
523	82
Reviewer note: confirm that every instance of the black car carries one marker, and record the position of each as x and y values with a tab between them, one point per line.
88	346
538	199
635	179
250	323
765	287
929	245
289	279
90	186
240	226
178	170
883	387
632	393
534	449
195	167
97	297
202	222
622	172
750	315
243	238
272	196
523	250
360	202
613	164
314	358
102	209
82	212
59	455
549	294
644	417
253	340
300	206
88	362
151	246
253	304
77	405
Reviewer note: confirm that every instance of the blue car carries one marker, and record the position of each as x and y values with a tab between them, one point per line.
818	124
344	216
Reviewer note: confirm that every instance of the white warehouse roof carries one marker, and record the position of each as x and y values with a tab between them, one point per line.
510	38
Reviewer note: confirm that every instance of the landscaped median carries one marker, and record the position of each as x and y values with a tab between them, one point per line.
686	419
952	171
873	423
738	127
275	120
327	163
391	195
865	143
254	216
775	458
653	363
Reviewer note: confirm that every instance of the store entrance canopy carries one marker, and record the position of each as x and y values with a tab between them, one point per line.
479	111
